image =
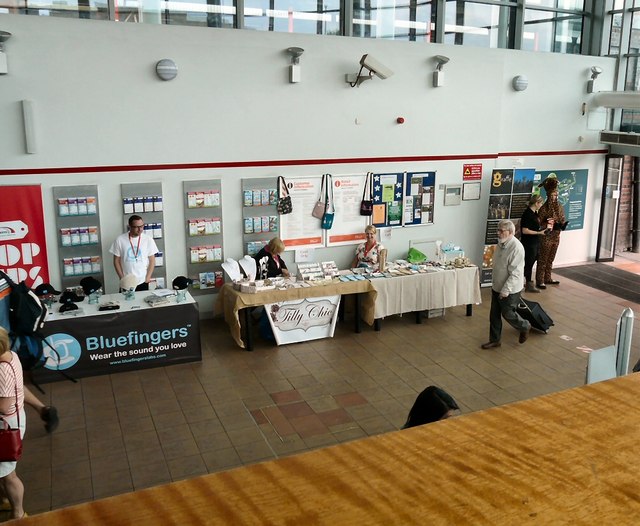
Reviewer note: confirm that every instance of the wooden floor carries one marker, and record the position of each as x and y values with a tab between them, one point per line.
563	458
136	430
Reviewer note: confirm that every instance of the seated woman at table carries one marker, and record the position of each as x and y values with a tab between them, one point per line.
273	264
432	404
368	253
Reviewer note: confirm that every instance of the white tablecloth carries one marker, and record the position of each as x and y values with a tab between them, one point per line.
432	290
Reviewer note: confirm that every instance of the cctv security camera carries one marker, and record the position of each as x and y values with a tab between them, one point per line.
374	66
441	60
295	53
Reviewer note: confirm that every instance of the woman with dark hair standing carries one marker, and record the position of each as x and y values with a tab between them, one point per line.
530	238
12	412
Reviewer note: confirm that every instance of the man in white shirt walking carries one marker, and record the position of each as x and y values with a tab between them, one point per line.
508	282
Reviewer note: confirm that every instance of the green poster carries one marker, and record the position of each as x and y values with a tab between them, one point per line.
394	213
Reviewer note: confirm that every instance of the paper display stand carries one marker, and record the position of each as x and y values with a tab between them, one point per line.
78	234
145	200
260	220
203	223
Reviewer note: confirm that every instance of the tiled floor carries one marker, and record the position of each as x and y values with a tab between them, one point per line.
134	430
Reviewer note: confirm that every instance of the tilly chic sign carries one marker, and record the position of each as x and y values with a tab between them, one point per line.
303	320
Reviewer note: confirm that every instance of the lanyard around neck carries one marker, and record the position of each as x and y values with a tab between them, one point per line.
136	250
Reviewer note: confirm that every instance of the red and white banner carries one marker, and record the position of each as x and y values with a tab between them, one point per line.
23	246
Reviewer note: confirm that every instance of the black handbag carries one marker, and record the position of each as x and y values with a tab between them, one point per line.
329	209
10	439
366	205
284	205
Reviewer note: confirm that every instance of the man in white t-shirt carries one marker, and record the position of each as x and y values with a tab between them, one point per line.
134	252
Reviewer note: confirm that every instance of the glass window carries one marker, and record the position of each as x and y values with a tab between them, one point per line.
213	13
616	31
398	20
92	9
557	4
548	31
634	36
631	118
482	25
321	17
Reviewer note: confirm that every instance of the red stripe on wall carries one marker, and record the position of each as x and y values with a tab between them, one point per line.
286	162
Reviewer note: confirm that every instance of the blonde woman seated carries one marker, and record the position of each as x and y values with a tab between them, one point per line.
368	253
275	265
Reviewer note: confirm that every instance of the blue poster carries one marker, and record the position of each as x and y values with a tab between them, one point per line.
572	193
419	198
387	199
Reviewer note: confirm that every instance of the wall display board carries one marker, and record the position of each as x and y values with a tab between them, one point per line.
509	192
23	245
388	195
419	198
572	193
348	226
145	200
78	233
508	196
300	228
203	223
259	215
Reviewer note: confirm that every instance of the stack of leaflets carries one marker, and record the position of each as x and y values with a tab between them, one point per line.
156	301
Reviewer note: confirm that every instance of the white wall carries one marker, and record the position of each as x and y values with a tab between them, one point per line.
98	103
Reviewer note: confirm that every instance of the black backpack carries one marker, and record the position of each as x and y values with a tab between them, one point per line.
26	311
26	319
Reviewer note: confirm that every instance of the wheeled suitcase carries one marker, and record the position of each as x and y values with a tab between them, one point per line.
534	314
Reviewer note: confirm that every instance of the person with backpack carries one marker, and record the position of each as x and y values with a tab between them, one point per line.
22	316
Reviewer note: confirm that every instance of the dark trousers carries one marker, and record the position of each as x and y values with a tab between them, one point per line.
530	257
505	308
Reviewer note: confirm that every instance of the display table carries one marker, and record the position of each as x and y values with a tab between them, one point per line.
230	302
564	458
136	336
422	292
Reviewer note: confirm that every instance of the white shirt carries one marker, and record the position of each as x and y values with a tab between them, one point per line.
134	253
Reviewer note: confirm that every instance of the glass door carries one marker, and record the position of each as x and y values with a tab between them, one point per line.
605	250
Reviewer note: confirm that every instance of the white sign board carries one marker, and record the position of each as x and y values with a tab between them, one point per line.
300	228
303	320
348	227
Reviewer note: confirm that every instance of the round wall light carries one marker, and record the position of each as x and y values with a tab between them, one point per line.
520	83
166	69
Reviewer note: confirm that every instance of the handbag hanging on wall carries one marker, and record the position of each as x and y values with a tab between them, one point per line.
366	206
10	439
329	210
320	206
284	205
